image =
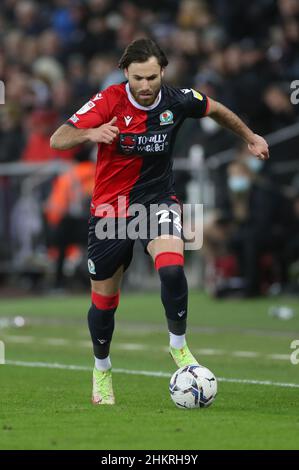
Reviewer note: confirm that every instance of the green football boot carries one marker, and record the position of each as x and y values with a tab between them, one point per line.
102	391
182	357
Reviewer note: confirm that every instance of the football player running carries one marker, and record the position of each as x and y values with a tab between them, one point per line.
134	125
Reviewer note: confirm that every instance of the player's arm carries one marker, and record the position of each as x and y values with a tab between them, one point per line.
68	136
257	145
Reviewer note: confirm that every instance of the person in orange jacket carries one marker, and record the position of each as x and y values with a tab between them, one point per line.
67	209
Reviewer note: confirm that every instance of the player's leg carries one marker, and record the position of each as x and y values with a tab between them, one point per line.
105	299
168	256
108	258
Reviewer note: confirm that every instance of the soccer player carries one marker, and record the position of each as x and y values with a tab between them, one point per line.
135	124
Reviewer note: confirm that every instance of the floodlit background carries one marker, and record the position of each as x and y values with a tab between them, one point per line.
54	55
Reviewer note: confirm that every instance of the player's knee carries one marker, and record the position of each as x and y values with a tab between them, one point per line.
101	313
104	302
173	278
170	267
174	288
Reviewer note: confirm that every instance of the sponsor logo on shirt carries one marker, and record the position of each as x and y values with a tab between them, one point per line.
166	118
127	143
144	144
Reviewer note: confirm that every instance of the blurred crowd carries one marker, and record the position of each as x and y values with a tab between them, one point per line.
251	238
55	54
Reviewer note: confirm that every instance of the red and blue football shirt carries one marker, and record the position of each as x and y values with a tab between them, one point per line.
138	164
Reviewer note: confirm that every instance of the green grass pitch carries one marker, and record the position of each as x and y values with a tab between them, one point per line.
46	405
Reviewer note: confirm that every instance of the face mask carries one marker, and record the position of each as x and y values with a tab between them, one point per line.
254	164
238	184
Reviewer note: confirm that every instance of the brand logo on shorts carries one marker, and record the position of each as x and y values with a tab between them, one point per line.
91	267
166	118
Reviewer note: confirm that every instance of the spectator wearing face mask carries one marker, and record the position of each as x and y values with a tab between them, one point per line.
256	166
245	225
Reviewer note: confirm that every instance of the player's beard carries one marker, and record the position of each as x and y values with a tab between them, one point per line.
146	98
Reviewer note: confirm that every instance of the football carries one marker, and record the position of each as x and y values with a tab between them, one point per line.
193	387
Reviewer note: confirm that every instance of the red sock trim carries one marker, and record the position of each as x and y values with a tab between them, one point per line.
104	302
168	258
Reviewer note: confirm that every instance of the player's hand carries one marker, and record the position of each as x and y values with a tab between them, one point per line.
259	147
106	133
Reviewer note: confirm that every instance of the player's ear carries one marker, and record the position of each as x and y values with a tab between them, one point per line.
126	73
162	71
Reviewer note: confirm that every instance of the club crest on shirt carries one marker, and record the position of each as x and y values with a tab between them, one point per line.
166	118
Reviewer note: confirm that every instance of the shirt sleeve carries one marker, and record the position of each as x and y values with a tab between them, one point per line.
92	114
196	103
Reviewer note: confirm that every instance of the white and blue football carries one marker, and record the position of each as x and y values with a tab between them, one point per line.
193	386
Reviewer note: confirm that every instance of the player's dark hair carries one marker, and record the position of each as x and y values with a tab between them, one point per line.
141	50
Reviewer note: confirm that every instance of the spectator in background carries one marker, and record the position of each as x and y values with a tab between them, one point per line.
37	149
255	165
293	243
279	111
11	133
246	225
56	52
67	209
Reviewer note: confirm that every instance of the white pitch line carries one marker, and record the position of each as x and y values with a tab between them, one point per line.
84	343
46	365
131	347
279	357
210	352
56	341
245	354
141	347
18	339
